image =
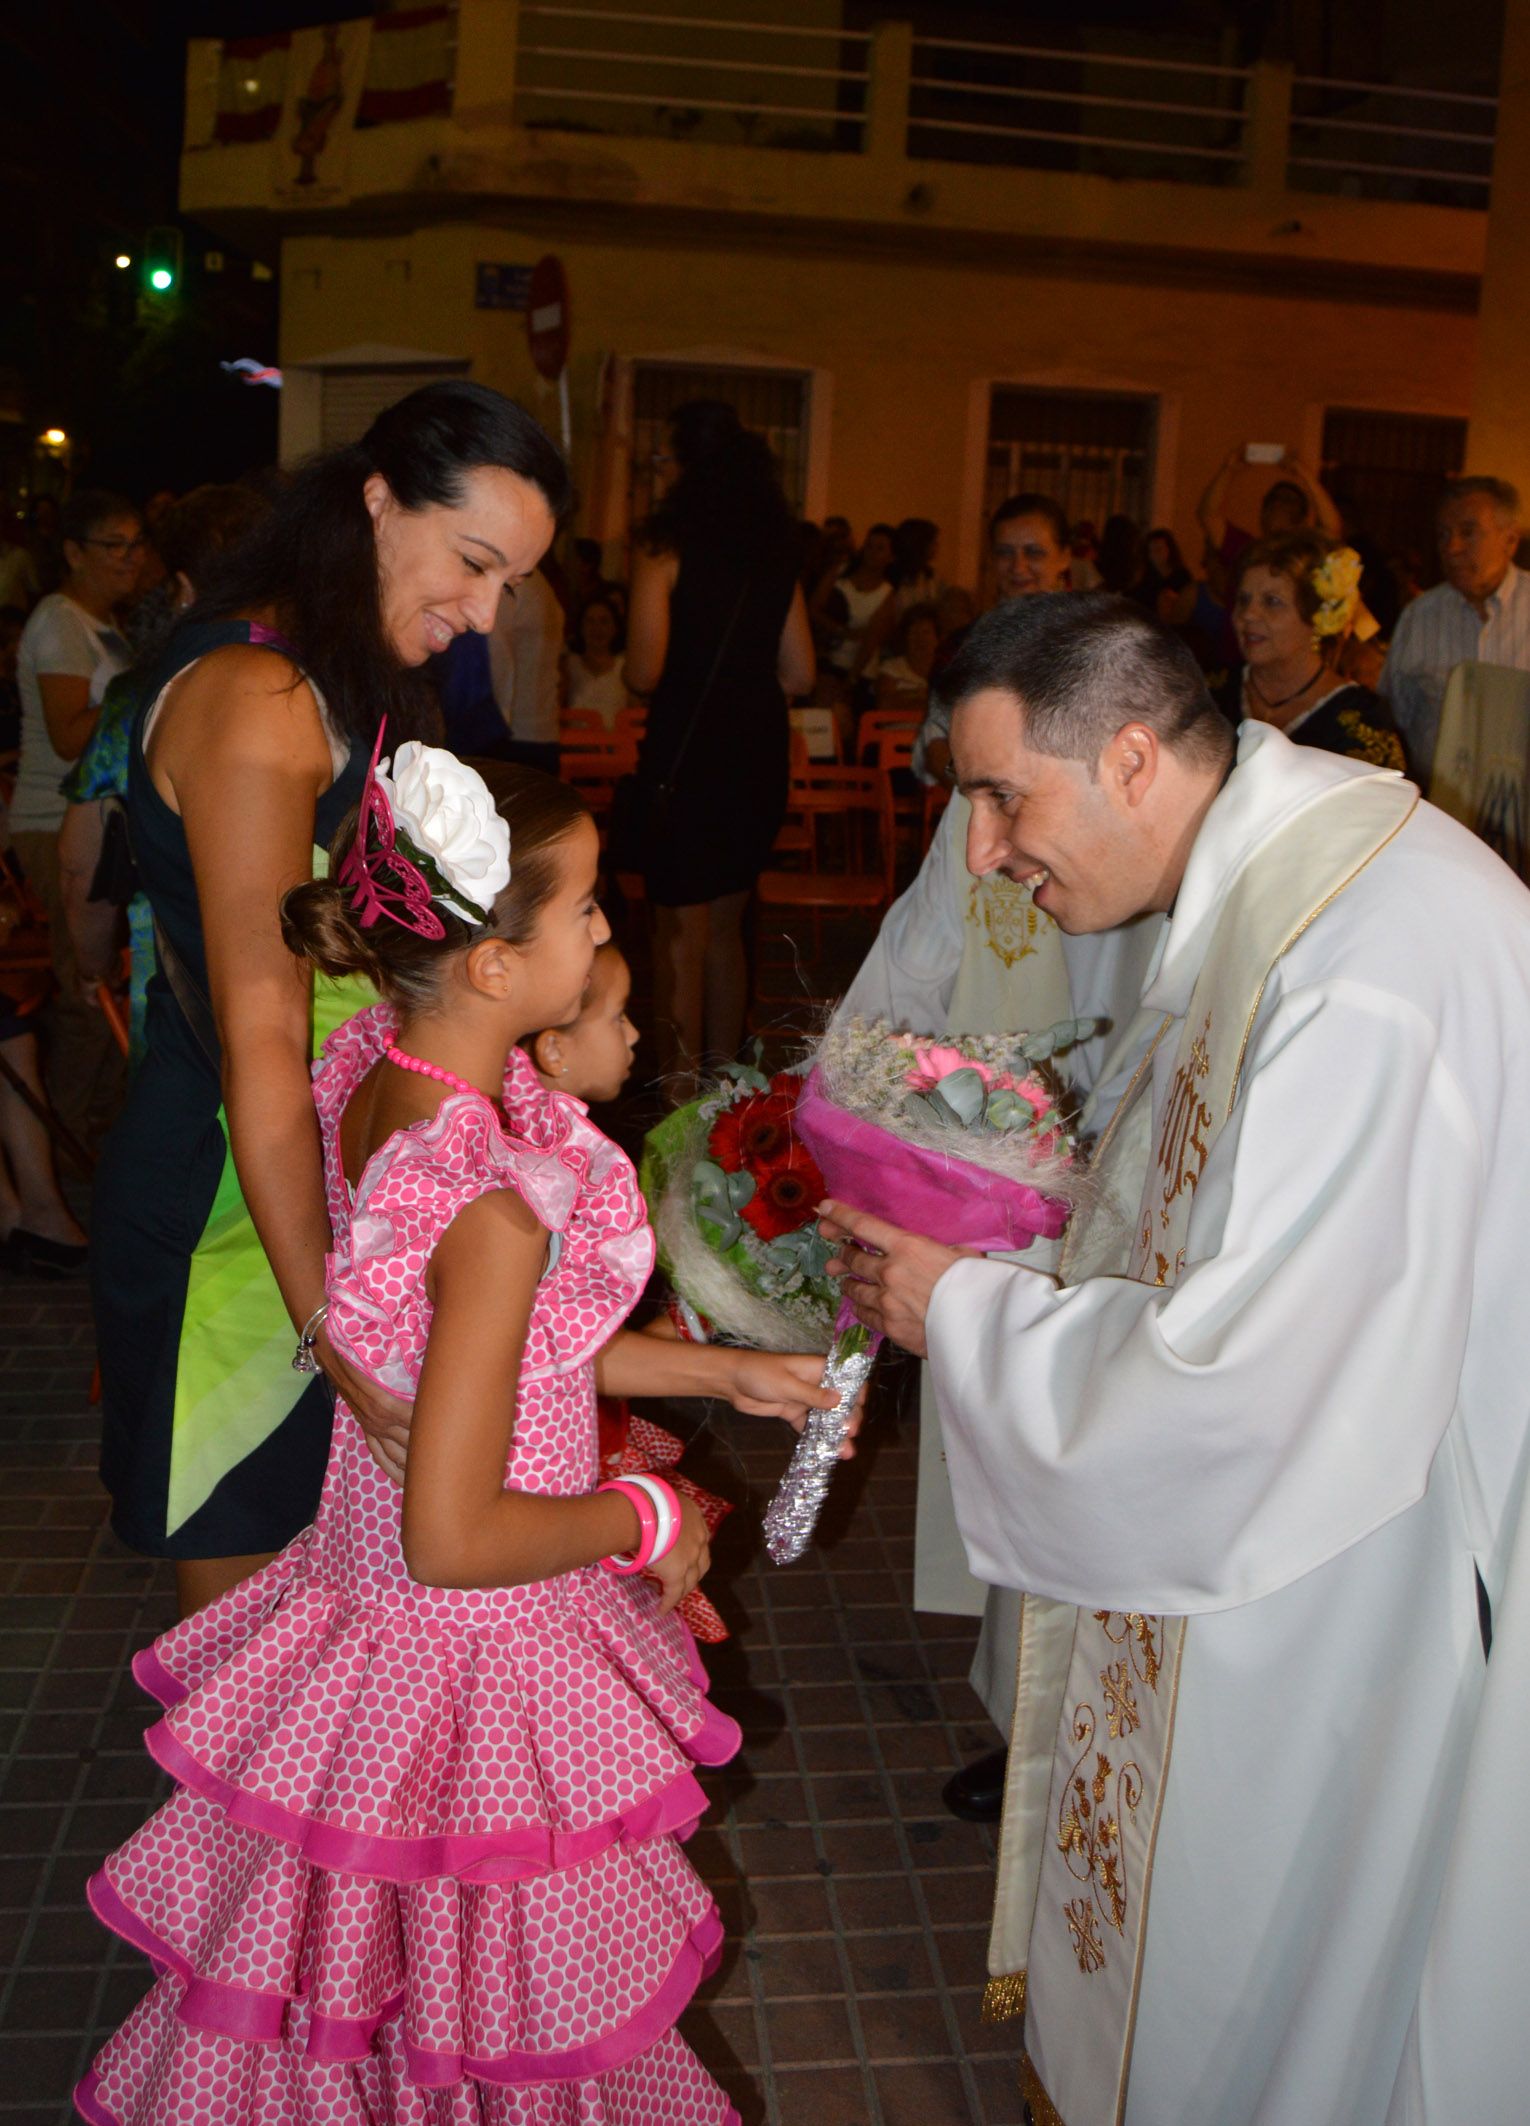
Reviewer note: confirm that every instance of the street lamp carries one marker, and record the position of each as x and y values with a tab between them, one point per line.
122	262
55	438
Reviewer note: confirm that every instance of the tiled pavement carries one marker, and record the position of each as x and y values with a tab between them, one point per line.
856	1908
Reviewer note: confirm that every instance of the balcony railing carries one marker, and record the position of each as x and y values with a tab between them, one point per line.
1089	104
765	84
1385	141
1051	107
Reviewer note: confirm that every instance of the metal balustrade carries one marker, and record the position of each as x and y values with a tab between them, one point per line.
1384	140
712	77
1079	106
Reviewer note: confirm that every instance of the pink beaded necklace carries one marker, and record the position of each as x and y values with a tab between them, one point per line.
438	1071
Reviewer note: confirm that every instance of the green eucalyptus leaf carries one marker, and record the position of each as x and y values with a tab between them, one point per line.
941	1110
964	1092
740	1189
723	1223
1050	1040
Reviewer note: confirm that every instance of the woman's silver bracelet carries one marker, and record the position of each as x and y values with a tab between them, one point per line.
303	1360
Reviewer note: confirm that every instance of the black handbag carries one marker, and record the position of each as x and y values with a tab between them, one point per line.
642	805
115	878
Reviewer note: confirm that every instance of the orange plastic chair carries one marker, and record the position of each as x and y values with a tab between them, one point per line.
895	754
853	885
876	724
594	770
631	723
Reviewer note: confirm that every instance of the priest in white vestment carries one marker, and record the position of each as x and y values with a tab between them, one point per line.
1257	1458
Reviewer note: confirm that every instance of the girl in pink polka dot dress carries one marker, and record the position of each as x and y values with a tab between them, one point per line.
422	1863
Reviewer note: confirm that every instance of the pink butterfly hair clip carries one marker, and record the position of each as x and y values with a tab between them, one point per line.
380	878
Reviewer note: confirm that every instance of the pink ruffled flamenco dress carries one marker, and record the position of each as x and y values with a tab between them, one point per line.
422	1864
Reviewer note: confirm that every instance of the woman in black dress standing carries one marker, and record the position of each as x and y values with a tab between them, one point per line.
249	746
718	634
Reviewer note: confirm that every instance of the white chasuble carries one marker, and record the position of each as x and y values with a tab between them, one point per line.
1087	1875
1247	1463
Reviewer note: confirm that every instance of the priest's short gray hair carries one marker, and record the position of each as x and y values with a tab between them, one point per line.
1082	664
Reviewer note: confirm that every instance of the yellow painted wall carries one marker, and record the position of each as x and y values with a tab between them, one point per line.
905	343
1499	439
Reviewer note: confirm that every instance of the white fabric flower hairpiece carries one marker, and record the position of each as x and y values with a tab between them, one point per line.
427	833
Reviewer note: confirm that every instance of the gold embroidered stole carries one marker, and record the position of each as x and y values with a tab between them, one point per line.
1096	1690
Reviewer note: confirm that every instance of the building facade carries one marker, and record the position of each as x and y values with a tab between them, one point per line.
930	268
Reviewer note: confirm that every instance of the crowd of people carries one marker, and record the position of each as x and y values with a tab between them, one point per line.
1281	616
321	990
1296	619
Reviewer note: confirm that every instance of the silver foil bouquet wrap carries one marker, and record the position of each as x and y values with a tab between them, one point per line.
792	1514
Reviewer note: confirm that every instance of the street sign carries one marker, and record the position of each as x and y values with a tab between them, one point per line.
500	287
547	318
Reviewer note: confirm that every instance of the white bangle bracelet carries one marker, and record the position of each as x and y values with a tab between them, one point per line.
666	1509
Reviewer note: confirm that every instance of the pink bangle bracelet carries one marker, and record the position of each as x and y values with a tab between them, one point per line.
658	1510
648	1520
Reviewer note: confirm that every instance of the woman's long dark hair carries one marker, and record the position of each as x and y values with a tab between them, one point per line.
913	544
1122	556
315	557
727	497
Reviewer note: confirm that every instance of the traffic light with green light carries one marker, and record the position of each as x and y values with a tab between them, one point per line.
162	261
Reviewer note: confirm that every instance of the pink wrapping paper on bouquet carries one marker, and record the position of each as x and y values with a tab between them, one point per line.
951	1200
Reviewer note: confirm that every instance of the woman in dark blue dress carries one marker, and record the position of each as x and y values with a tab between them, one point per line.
249	747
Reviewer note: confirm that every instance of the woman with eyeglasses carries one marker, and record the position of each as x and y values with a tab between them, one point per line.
70	649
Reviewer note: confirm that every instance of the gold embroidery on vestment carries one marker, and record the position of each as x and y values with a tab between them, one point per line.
1004	1997
1007	916
1089	1838
1138	1636
1183	1148
1086	1943
1121	1714
1043	2112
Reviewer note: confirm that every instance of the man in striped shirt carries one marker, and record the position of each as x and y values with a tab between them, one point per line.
1480	613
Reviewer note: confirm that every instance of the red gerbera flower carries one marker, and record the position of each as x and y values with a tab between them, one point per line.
755	1134
786	1195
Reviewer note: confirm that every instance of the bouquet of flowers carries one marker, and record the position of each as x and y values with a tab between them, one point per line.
733	1192
959	1137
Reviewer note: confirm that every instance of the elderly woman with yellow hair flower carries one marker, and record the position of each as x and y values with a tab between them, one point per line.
1295	605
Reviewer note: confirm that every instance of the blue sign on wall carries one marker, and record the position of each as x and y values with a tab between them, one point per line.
501	287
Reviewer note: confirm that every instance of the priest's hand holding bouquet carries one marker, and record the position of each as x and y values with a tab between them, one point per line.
913	1150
